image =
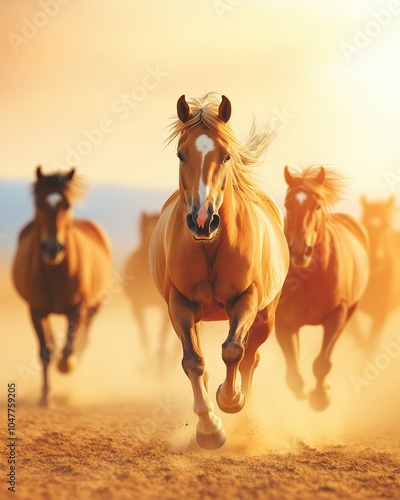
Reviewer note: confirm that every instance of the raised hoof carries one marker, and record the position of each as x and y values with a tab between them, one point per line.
230	405
319	400
66	365
211	441
297	387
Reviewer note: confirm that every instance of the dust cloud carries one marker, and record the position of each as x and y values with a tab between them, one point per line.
113	371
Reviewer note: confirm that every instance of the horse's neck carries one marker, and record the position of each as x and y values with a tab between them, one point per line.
324	239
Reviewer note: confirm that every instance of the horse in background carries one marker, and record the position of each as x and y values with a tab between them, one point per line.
61	266
382	296
328	274
143	294
218	253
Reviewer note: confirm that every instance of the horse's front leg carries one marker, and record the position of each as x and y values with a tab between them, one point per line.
42	327
185	316
333	326
68	361
242	313
287	335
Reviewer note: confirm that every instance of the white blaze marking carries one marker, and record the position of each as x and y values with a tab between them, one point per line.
204	144
301	197
53	198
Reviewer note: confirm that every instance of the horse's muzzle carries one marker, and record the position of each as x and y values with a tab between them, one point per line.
301	259
203	223
52	250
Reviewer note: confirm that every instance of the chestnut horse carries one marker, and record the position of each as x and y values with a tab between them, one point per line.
382	296
61	266
328	273
143	294
218	252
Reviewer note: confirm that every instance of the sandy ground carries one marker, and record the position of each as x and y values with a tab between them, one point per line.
117	431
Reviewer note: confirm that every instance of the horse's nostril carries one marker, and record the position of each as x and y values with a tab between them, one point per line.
191	223
214	224
308	252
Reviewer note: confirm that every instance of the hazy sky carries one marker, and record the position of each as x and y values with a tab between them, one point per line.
325	74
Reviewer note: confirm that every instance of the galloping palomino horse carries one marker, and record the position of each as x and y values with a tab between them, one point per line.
61	266
382	296
328	273
143	294
218	253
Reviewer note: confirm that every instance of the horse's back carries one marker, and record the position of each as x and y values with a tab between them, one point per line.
274	252
351	245
93	256
158	243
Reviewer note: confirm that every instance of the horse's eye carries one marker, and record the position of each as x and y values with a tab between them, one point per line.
179	155
227	158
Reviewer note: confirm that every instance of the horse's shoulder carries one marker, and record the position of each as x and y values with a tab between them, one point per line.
352	225
272	208
25	231
92	229
171	200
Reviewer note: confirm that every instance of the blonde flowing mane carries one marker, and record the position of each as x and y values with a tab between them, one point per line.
244	156
330	191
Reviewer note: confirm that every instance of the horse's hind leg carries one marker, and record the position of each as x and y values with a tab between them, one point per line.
66	362
242	314
83	339
258	334
42	327
333	326
210	434
288	338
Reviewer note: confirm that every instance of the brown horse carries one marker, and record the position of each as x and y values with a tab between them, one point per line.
382	296
61	266
218	253
327	276
143	294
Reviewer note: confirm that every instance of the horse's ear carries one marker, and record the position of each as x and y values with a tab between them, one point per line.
69	175
320	177
39	174
363	200
390	201
183	109
290	180
225	109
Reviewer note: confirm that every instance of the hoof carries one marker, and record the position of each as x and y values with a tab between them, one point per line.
230	405
66	365
211	441
319	400
44	402
299	393
296	385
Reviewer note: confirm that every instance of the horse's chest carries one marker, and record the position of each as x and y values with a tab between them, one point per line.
307	296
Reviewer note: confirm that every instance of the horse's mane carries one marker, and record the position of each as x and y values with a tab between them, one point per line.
73	189
330	191
244	155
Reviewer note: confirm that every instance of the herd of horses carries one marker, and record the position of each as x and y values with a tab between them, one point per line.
219	250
